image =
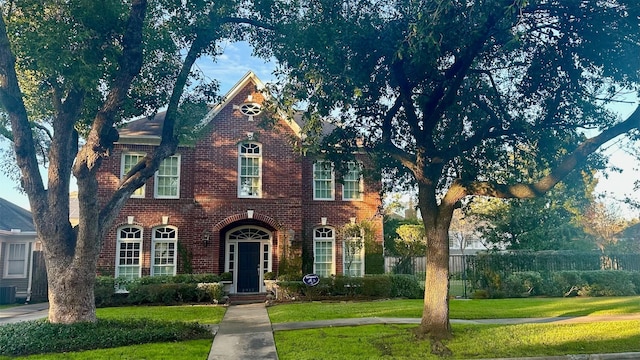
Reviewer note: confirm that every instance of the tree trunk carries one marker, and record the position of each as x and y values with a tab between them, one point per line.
71	289
435	314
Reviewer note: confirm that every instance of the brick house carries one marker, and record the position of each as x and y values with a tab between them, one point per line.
237	200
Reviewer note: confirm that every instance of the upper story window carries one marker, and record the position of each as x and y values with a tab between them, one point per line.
128	252
353	186
163	251
323	251
16	260
250	170
129	160
167	178
323	181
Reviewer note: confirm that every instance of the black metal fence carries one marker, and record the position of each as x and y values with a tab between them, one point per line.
462	268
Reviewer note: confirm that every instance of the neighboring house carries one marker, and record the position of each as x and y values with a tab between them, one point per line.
237	200
18	241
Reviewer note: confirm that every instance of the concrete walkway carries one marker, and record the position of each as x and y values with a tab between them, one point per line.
244	333
24	313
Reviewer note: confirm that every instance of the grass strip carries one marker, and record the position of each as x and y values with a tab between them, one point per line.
459	309
470	341
204	314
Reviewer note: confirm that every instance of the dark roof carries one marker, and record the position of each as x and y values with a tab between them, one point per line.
145	126
14	217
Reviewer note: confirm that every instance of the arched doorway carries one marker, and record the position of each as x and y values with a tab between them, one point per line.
248	257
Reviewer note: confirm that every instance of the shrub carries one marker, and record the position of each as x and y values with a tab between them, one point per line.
406	286
522	284
376	286
35	337
210	292
168	294
564	283
607	283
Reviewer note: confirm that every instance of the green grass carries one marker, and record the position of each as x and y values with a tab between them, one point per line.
470	341
204	314
459	309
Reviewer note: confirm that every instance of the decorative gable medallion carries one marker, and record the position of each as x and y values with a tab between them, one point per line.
249	108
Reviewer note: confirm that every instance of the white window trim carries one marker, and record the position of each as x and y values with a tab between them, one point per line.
333	249
259	157
119	241
360	185
344	256
155	181
6	261
155	241
333	182
123	173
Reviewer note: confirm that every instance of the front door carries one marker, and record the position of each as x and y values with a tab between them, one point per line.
248	267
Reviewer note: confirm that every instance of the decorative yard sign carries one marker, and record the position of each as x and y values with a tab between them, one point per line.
311	279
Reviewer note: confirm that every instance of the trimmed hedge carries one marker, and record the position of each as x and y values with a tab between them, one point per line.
37	337
167	290
560	283
370	287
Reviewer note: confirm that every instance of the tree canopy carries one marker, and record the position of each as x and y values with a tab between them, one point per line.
462	96
72	71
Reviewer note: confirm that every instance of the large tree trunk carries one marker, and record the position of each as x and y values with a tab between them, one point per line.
437	220
435	314
71	285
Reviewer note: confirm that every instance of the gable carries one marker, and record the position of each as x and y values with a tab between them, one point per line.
148	130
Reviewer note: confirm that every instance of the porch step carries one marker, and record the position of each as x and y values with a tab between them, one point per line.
252	298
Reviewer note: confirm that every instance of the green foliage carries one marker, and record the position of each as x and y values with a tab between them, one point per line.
523	284
36	337
607	283
562	283
405	286
186	258
168	290
370	286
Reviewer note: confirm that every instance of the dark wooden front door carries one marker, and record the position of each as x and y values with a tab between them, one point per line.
248	267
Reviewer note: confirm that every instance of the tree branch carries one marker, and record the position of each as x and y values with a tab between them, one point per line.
23	142
566	166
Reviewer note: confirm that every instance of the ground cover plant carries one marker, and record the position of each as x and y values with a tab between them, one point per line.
469	341
183	350
117	327
460	309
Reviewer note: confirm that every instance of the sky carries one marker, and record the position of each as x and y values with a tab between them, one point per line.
237	60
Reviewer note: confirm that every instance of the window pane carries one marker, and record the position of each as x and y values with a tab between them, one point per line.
16	259
352	187
128	162
249	172
168	178
164	251
323	251
129	252
323	180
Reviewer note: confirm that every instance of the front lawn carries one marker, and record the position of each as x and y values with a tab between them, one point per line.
120	332
459	309
470	341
